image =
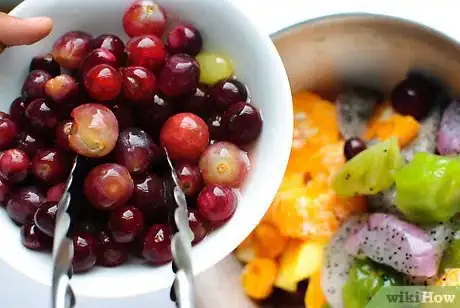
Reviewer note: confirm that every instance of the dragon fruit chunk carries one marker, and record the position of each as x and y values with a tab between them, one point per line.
384	202
388	240
337	262
354	108
426	139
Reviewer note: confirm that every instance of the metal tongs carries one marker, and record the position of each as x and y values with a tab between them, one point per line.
182	290
62	294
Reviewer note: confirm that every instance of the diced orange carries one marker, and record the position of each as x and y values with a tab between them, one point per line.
258	278
290	181
306	96
348	206
314	297
301	214
327	160
451	278
315	125
387	123
268	241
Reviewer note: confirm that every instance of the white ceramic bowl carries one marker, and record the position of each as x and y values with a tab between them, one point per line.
225	29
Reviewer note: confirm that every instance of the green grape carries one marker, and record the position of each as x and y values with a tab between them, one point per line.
214	67
365	279
428	188
451	256
371	171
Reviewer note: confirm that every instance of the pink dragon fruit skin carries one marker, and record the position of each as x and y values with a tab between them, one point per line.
448	138
388	240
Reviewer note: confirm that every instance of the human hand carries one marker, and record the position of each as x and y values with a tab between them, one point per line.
16	31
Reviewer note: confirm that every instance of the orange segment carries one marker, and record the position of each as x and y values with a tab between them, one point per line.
259	277
315	125
300	214
348	206
387	123
268	241
327	160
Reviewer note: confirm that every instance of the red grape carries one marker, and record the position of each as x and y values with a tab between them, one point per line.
71	49
124	115
144	17
103	82
156	244
8	132
185	136
5	190
14	165
45	62
353	147
95	130
18	110
243	123
110	253
29	143
108	186
185	39
217	203
34	85
179	76
62	133
136	151
113	44
96	57
147	51
41	115
126	223
33	238
228	92
223	163
198	225
153	114
413	96
61	89
50	166
85	250
199	103
216	127
148	196
55	192
138	84
45	217
190	179
23	204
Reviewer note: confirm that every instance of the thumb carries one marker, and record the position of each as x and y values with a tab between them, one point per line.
16	31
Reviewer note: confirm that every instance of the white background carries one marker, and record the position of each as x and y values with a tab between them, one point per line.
17	291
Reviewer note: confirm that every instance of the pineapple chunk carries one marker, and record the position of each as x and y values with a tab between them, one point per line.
451	278
299	261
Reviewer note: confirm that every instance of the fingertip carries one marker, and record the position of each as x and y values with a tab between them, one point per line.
42	26
17	31
43	22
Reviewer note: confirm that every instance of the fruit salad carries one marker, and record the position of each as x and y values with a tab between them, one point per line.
119	105
370	199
